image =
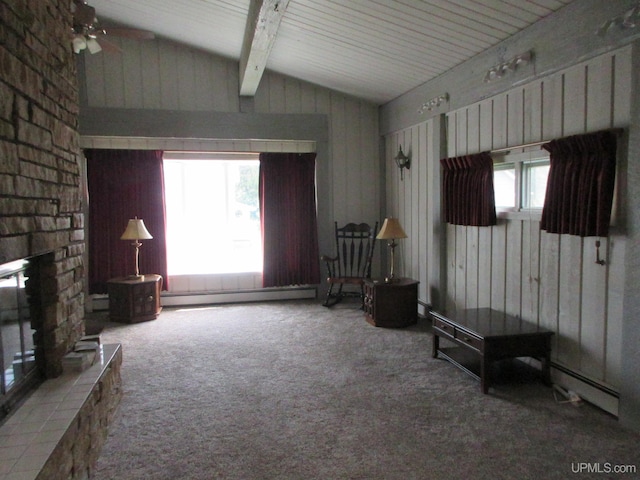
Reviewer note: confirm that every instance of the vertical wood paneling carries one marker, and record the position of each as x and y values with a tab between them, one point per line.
369	154
95	80
424	245
169	72
532	113
150	68
569	304
552	107
515	117
498	268
292	96
575	100
615	295
500	122
277	101
594	311
530	270
186	81
486	125
547	278
113	73
485	270
339	150
471	267
451	293
550	285
133	84
355	168
202	75
413	260
460	273
513	274
622	76
599	94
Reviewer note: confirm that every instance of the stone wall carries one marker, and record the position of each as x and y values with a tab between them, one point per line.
40	177
77	451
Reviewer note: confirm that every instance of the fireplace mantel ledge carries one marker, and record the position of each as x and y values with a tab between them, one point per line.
30	435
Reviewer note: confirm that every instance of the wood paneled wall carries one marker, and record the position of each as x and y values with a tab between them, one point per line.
159	75
549	279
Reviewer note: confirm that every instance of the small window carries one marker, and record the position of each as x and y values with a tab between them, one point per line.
520	181
535	174
504	185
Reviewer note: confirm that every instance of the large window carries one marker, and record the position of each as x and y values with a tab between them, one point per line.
520	181
213	220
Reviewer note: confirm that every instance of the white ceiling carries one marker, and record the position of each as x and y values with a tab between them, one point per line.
372	49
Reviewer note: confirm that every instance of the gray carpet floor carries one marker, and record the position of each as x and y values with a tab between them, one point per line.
293	390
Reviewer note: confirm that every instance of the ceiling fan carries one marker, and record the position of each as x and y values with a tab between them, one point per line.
85	31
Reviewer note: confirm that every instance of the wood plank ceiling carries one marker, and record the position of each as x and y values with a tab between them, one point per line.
372	49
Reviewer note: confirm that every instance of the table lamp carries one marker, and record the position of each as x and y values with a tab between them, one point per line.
136	231
391	230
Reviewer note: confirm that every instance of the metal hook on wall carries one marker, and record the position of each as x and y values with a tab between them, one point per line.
598	260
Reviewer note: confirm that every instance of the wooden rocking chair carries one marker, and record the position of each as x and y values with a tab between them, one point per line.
352	264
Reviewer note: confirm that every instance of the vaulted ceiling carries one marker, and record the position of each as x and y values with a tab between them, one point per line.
373	49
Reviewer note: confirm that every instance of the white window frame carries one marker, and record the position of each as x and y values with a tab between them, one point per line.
520	162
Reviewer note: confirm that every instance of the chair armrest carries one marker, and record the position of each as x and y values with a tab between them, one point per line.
330	262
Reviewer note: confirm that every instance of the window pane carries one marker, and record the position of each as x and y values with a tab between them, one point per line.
535	186
504	184
213	222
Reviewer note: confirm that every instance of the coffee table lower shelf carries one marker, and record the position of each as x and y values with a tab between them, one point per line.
502	371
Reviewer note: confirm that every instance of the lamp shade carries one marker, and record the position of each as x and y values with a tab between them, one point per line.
136	230
391	229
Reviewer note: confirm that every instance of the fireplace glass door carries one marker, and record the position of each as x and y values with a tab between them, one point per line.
16	334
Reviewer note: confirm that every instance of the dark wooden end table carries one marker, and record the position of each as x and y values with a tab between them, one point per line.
393	304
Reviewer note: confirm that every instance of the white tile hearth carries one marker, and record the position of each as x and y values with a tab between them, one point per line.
29	436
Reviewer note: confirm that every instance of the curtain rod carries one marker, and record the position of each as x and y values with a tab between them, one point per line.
535	144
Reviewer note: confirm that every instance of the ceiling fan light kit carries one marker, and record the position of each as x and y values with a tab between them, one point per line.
85	30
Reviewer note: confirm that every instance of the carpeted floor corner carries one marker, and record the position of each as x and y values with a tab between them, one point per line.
293	390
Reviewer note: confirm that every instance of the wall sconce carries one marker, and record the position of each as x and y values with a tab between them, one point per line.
629	19
402	161
498	71
435	102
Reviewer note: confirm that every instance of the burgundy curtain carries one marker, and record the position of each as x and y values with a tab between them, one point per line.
467	188
288	216
124	184
580	185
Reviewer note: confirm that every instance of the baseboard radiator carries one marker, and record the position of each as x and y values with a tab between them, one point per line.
593	392
168	299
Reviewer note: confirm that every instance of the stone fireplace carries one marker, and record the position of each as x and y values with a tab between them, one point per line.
42	196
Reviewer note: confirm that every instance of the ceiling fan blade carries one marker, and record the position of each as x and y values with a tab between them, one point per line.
128	33
108	46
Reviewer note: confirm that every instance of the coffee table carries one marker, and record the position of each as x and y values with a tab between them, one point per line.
482	336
